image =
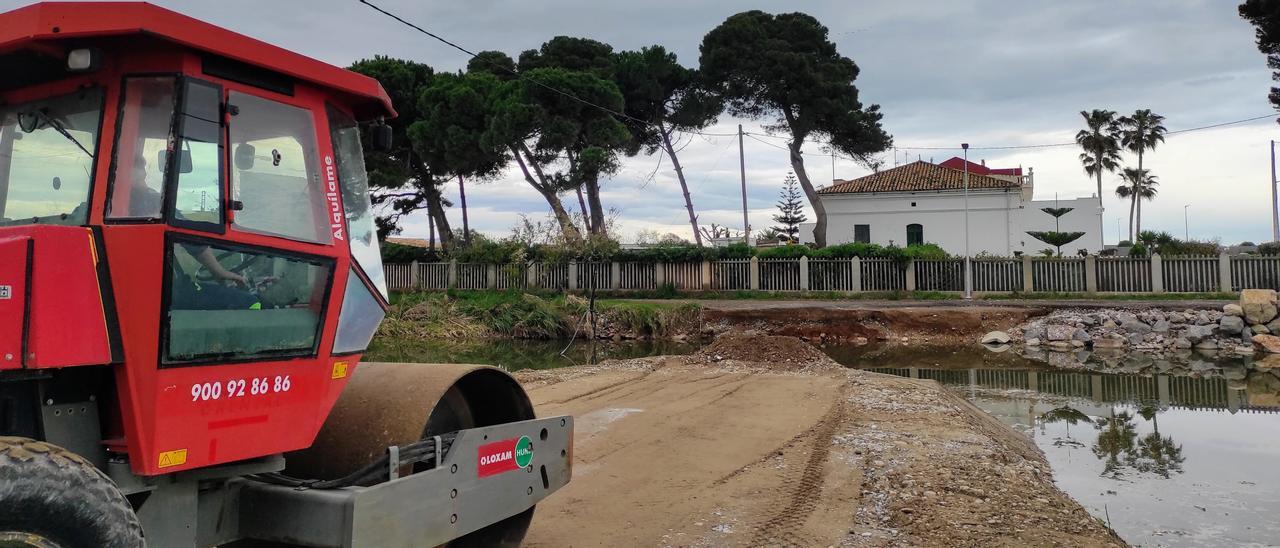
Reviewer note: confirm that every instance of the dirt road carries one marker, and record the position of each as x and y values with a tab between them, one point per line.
715	451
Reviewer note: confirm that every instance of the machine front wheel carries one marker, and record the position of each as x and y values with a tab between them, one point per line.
54	498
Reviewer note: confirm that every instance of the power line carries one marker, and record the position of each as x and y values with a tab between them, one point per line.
1073	143
523	76
1035	146
623	115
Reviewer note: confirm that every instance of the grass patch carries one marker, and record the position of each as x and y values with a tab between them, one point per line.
515	314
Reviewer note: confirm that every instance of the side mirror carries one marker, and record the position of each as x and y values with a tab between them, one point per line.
244	156
29	122
184	161
380	137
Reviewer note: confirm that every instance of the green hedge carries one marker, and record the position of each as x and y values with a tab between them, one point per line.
506	252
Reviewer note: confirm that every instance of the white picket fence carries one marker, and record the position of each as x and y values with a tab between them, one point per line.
1091	274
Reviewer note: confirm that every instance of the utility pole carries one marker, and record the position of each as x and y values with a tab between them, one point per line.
742	167
968	267
1275	203
1186	225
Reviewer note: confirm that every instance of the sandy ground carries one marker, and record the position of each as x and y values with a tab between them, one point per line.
715	451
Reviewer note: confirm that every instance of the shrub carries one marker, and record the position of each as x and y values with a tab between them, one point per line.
847	251
1138	250
789	251
1269	248
397	253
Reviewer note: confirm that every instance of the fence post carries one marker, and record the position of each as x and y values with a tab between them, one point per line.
615	274
1157	274
531	275
491	276
659	275
453	273
753	273
911	275
1090	274
1028	277
706	275
804	273
1224	273
857	274
573	275
413	276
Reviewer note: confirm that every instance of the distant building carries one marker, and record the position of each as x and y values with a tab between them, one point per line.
922	202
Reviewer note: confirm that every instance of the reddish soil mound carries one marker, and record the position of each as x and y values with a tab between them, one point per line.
778	351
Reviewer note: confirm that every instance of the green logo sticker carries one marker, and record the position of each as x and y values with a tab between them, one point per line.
524	452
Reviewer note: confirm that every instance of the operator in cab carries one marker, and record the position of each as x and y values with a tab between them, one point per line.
188	292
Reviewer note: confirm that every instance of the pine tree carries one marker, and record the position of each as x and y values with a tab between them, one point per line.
790	210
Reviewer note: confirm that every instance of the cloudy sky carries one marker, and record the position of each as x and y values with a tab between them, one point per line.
987	72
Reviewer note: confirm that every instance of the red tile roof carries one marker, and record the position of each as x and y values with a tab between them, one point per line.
957	162
915	177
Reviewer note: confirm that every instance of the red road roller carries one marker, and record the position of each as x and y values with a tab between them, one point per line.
189	275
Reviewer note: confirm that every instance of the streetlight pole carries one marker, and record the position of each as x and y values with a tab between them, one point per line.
742	167
1186	225
1275	202
968	267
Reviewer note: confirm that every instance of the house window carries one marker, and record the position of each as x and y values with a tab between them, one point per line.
913	204
915	234
862	234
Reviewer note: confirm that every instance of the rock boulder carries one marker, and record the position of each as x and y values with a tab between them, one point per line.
1259	305
1197	333
1267	343
1060	332
1233	309
1231	325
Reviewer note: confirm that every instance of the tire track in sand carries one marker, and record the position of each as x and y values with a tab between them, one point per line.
805	489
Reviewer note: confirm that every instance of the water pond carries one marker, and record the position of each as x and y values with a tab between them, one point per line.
1169	456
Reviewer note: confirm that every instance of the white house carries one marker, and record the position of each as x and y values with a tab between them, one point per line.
922	202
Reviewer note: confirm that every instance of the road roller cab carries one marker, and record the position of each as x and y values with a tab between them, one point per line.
189	275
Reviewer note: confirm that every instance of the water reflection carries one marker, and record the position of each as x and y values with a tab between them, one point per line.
1120	448
1171	453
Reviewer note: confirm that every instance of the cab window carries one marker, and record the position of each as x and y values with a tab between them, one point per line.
231	303
47	152
274	183
362	231
146	122
197	199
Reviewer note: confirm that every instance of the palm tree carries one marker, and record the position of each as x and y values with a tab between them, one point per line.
1100	142
1139	184
1139	133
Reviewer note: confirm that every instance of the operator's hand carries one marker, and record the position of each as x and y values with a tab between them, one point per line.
228	276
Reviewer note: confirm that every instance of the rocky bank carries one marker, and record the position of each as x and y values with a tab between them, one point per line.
1242	329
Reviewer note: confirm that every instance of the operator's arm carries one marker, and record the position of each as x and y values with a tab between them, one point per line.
206	258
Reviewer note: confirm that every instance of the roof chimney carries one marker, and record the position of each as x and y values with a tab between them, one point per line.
984	162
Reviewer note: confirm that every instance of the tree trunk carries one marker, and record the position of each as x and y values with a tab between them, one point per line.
1133	204
684	186
1102	229
1137	197
435	208
570	232
431	231
462	197
582	208
819	212
597	209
